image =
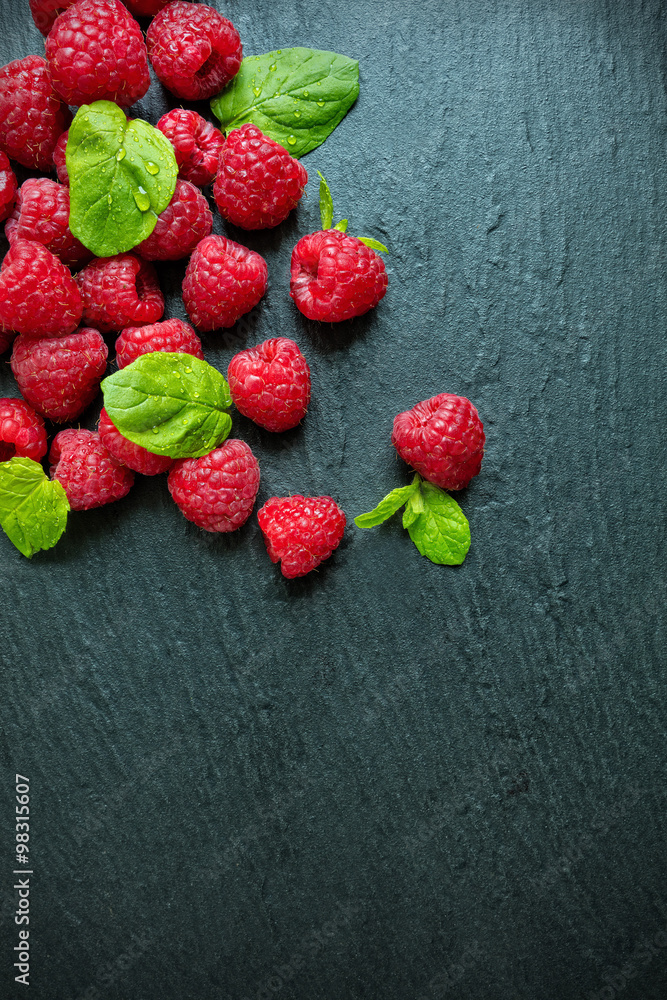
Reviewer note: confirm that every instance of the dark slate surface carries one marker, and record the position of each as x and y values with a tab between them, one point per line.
390	780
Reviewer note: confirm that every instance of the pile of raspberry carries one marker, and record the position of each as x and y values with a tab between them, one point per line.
61	308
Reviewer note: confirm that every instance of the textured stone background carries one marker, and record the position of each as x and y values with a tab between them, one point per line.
389	780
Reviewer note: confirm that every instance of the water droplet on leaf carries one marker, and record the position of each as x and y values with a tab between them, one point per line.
305	93
297	114
257	91
152	168
142	200
292	140
120	155
320	104
273	67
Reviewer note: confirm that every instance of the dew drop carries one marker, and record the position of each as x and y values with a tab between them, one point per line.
279	52
109	200
320	104
292	140
196	395
176	374
142	200
155	430
297	114
120	155
273	68
188	371
184	421
257	91
152	168
305	93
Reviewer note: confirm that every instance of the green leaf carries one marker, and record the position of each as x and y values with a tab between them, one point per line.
171	404
121	175
326	203
295	96
441	532
391	503
342	225
415	506
373	244
33	508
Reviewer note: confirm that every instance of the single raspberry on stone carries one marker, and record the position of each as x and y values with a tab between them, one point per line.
335	277
132	455
270	384
258	183
8	187
38	295
171	335
194	50
44	12
60	376
96	52
32	115
442	438
217	492
196	143
90	476
42	214
223	280
300	531
59	160
120	291
186	220
22	432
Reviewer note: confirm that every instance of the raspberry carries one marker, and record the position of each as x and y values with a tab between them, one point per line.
22	431
42	214
258	182
335	277
96	52
223	280
217	492
86	470
301	531
171	335
270	384
120	291
60	376
32	116
185	221
194	50
8	187
442	438
196	143
59	161
132	455
44	12
38	295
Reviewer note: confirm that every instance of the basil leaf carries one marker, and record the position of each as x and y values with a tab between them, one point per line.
441	532
121	176
391	503
373	244
171	404
295	96
326	203
33	508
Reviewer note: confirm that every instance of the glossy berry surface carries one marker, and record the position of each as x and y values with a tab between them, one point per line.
442	438
217	492
90	476
44	12
38	295
223	280
186	220
32	114
22	432
301	532
194	50
42	214
60	376
258	182
8	187
172	335
196	143
120	291
270	384
132	455
335	277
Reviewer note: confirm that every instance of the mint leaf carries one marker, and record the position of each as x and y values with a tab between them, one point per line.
326	203
296	96
373	244
121	175
33	508
441	532
391	503
415	506
342	225
171	404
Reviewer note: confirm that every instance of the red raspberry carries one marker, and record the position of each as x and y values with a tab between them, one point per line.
196	143
443	439
270	384
258	182
59	161
8	187
120	291
185	221
32	116
171	335
60	376
335	277
38	295
132	455
145	8
96	52
217	492
22	431
86	470
42	214
194	50
223	280
44	12
6	338
301	531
